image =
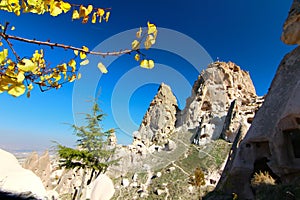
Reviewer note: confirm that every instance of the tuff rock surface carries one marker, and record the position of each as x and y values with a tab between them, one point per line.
223	99
159	121
291	27
272	143
17	180
41	166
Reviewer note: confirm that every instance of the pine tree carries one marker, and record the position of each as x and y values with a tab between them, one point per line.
93	153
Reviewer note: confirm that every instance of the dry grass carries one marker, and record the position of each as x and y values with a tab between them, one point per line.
262	178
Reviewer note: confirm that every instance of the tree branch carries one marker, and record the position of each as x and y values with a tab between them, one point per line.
51	44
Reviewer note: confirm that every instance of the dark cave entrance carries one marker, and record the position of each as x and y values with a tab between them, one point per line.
294	138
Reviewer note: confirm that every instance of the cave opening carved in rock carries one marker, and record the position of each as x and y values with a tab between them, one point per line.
293	136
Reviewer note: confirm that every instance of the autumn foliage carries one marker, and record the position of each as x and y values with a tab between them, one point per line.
21	74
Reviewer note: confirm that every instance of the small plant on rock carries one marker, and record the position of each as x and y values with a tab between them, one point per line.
262	178
198	180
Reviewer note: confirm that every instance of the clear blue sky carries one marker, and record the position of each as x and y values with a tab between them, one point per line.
245	33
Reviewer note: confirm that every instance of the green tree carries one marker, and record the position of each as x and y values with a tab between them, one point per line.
93	154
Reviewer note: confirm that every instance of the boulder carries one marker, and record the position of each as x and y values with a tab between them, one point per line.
15	179
103	188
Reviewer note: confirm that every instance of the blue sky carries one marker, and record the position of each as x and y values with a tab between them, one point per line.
245	33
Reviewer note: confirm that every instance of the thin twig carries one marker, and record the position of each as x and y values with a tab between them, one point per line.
78	5
51	44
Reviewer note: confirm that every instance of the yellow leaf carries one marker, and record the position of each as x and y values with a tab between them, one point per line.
30	86
36	56
151	28
107	16
78	76
75	15
148	64
139	33
85	62
72	64
26	65
16	89
102	68
55	9
72	78
20	77
82	55
89	9
100	13
85	48
1	44
63	67
85	19
56	76
83	11
65	6
137	57
135	45
76	52
149	41
12	28
3	55
94	18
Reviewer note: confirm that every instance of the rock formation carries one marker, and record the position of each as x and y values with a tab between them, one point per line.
223	99
272	143
15	179
41	166
103	188
291	27
159	121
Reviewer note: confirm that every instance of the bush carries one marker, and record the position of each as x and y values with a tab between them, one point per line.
262	178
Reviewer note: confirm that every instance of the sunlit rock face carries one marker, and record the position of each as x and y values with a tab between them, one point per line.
17	180
291	27
41	166
159	121
223	101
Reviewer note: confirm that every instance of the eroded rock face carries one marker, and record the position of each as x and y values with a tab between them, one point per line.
159	121
41	166
17	180
210	104
272	142
103	188
291	28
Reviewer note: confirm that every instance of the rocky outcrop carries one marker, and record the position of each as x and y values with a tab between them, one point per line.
223	99
272	143
41	166
17	180
291	27
159	121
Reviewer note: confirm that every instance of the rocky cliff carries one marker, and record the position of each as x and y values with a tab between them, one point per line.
159	121
223	100
272	143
